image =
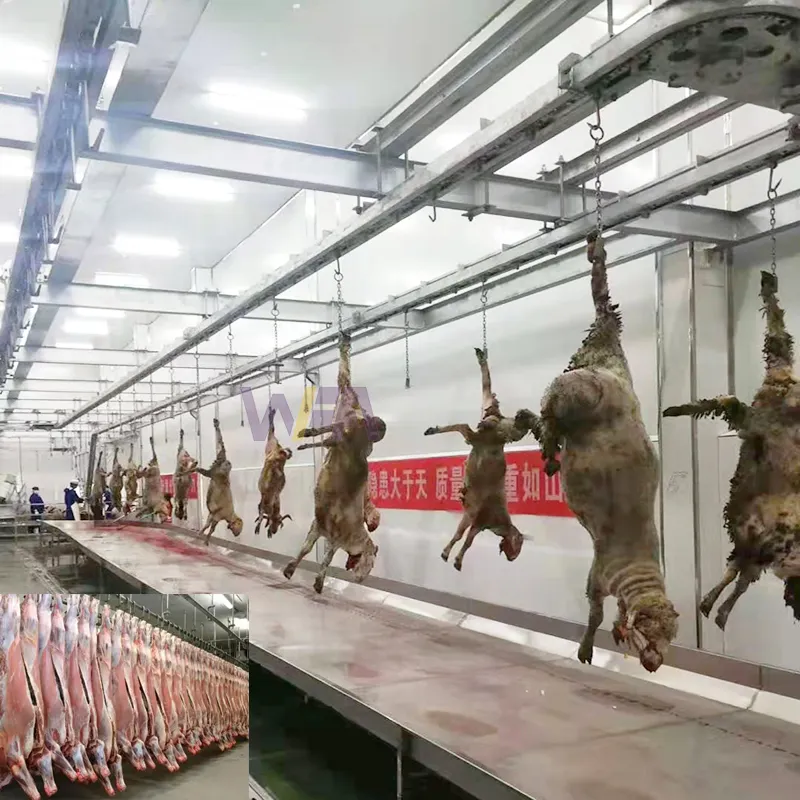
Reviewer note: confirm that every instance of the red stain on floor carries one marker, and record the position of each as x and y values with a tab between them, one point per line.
360	671
460	724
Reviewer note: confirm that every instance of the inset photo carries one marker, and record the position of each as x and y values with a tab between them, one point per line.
142	694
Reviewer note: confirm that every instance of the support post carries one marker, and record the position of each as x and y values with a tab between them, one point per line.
90	466
694	364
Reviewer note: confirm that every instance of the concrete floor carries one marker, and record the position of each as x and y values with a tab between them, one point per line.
210	775
16	568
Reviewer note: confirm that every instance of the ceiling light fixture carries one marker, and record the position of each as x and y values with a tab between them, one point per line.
156	246
64	345
92	327
193	187
259	102
100	313
22	59
15	165
124	279
9	233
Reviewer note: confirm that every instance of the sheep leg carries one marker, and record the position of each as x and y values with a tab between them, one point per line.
463	524
311	539
459	560
595	596
708	602
319	581
620	629
742	585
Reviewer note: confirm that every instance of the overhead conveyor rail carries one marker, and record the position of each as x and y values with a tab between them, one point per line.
502	721
639	53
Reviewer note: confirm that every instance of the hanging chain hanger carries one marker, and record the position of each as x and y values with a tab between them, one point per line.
408	368
772	196
484	302
597	133
339	277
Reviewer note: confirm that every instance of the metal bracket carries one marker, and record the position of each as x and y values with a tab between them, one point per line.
486	208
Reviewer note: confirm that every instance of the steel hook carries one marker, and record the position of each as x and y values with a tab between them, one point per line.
432	217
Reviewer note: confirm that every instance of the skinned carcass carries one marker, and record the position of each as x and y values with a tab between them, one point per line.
171	695
219	498
152	639
609	471
133	473
76	688
40	760
98	489
100	647
144	716
60	730
271	481
116	481
153	502
762	515
339	496
17	714
483	494
182	479
122	697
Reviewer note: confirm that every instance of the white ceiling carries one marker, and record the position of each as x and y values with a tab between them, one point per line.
348	62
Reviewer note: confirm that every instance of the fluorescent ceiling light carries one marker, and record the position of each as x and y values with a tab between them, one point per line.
74	345
193	187
15	165
100	313
96	327
124	279
221	600
22	59
250	100
9	233
131	245
242	623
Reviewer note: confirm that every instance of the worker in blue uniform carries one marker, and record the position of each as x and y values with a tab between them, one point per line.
71	499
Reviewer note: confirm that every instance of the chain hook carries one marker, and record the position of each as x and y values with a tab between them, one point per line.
432	217
597	134
405	331
484	301
338	277
772	196
275	313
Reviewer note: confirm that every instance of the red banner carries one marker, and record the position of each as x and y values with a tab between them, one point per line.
433	483
168	486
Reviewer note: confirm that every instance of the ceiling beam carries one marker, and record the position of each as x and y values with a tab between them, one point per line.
512	36
729	164
538	118
162	144
125	358
199	304
62	135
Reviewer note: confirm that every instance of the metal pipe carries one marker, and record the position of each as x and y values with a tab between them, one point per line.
536	119
731	163
695	455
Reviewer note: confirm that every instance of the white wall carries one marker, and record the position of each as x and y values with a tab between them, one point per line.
51	472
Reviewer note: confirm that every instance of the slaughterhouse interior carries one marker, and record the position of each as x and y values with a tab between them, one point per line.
414	378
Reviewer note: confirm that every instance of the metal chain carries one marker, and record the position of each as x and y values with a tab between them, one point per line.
197	385
338	277
152	414
484	301
408	368
597	133
772	196
230	349
306	384
275	314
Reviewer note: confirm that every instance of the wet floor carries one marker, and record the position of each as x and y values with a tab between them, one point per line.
210	775
300	750
20	569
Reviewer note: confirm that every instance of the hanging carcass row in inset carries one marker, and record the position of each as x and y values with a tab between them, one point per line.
85	687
